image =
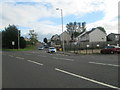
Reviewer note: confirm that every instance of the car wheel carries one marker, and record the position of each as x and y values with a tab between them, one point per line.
118	52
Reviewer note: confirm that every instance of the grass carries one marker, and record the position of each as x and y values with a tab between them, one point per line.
25	49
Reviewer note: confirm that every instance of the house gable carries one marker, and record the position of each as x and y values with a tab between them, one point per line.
97	35
66	36
113	37
93	35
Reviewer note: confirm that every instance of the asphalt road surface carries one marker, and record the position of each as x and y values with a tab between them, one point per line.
39	69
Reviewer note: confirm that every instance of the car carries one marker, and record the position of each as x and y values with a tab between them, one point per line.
40	48
51	49
110	49
46	46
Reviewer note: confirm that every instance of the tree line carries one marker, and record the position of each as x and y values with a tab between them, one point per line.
12	34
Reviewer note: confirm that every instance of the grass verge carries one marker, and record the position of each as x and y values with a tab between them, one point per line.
25	49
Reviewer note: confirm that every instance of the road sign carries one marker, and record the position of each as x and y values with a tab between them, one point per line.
13	43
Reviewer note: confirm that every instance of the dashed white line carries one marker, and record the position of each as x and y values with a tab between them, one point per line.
88	79
10	55
34	62
19	58
105	64
63	59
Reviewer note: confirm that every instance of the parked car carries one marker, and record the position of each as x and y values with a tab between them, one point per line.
40	48
46	46
51	49
110	49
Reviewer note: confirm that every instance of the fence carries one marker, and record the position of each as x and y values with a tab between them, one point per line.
88	47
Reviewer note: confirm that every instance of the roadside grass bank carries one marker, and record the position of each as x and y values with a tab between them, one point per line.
25	49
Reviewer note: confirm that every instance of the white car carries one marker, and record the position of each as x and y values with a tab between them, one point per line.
40	48
51	49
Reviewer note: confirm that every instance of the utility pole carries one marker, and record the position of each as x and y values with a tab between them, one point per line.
62	29
18	39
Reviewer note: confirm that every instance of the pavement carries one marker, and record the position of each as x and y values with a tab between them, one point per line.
39	69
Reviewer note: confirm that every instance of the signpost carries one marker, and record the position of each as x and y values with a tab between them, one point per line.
13	43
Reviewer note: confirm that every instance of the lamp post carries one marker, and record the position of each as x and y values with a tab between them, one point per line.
62	28
18	39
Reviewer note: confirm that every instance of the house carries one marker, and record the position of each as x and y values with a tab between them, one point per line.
113	37
27	39
65	36
94	35
55	40
55	37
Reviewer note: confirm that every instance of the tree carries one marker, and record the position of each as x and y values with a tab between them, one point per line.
45	40
101	28
76	28
76	34
33	37
22	42
10	34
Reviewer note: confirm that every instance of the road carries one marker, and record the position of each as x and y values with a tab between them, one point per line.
38	69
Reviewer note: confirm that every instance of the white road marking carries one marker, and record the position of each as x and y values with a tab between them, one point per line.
63	59
88	79
19	58
34	62
10	55
105	64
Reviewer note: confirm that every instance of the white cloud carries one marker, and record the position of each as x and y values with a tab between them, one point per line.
110	20
27	15
110	27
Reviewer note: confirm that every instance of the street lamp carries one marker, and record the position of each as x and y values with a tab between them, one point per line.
62	27
18	39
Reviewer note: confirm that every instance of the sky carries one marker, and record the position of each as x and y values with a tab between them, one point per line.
42	16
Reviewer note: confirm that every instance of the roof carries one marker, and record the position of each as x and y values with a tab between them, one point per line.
114	33
65	32
88	32
54	36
